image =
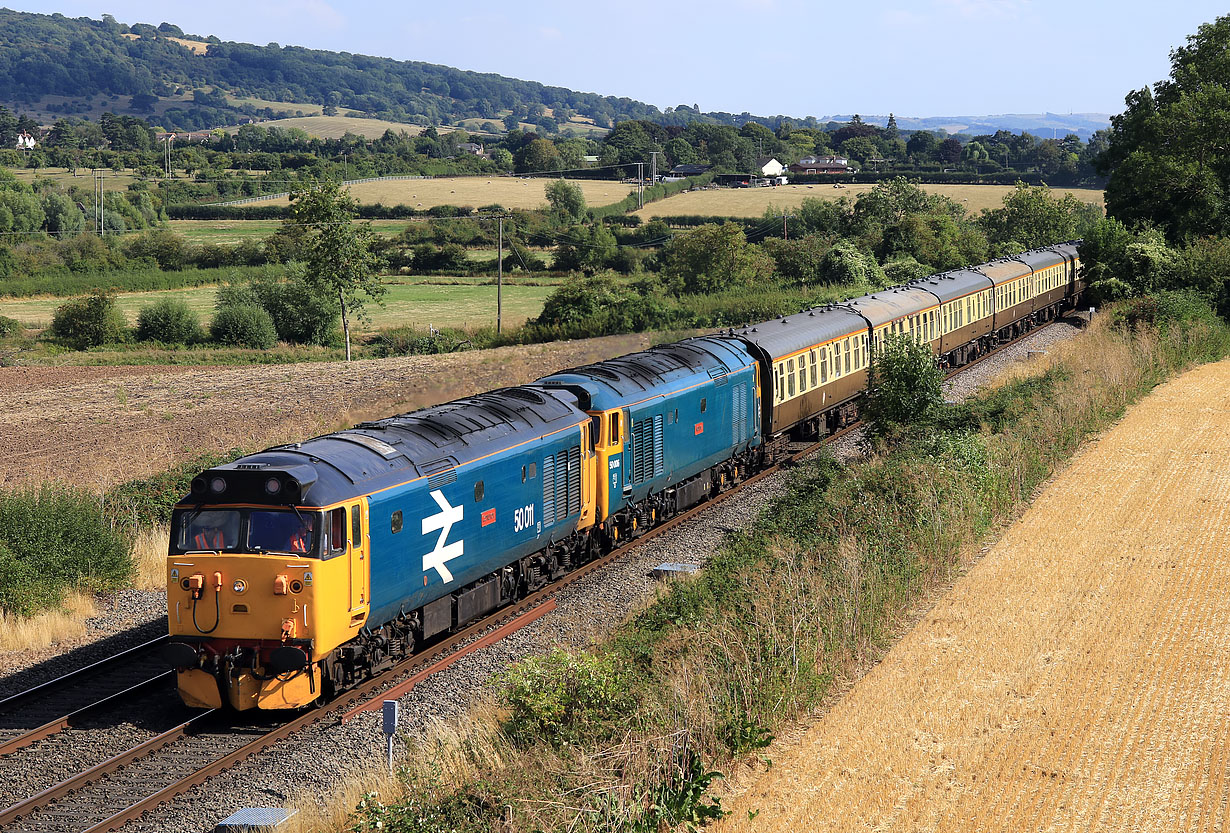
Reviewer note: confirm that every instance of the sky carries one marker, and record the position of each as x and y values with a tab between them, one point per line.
767	57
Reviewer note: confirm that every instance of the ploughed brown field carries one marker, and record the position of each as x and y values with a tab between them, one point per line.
98	426
1077	678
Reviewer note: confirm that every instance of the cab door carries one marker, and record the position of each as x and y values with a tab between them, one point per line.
589	477
359	563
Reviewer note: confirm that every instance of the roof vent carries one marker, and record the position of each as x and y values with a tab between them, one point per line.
527	395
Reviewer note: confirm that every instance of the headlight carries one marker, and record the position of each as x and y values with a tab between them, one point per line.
217	485
239	586
272	486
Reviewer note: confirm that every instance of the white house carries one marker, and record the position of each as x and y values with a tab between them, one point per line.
768	166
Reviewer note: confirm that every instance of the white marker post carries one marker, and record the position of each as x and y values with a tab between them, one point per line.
390	729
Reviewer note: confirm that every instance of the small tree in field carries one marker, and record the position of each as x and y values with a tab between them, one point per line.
903	388
339	253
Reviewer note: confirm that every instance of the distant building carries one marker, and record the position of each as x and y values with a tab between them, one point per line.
768	166
681	171
822	165
25	141
471	147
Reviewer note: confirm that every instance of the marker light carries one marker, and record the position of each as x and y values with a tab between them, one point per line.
239	586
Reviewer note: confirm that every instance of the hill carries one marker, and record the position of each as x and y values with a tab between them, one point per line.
190	81
52	66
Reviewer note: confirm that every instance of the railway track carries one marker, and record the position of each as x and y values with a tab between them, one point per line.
54	706
177	759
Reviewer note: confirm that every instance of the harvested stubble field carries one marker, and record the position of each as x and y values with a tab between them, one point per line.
752	202
474	191
97	426
1074	679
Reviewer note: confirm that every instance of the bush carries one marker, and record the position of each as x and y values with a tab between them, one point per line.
846	264
563	697
1165	308
409	341
9	326
243	325
89	322
301	313
170	321
53	540
903	387
905	269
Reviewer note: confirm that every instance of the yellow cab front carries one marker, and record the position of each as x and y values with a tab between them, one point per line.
258	597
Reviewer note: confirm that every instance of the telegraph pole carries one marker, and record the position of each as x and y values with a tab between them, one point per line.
640	184
98	202
499	282
653	156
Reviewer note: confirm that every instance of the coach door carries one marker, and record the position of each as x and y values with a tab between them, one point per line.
359	599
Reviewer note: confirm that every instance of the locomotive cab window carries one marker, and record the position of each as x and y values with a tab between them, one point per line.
704	404
335	541
533	470
395	523
615	428
479	491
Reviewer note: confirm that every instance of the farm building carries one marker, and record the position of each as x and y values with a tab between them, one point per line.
822	165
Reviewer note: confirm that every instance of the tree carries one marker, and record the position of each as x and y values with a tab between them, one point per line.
537	155
339	253
890	131
1167	159
949	150
585	248
567	201
860	148
1032	217
710	258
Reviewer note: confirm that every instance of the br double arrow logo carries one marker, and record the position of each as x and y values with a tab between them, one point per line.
443	520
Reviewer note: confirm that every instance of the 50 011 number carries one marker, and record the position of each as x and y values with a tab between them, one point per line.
523	518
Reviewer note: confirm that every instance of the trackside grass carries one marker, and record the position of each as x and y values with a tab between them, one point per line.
624	736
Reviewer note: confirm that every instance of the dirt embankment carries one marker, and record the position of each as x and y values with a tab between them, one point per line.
97	426
1075	679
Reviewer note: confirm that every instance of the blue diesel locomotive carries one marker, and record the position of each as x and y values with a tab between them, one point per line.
298	571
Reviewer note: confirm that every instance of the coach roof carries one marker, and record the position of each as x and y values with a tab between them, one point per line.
792	333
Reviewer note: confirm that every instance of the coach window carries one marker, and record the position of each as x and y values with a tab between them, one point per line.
790	378
824	365
813	368
802	373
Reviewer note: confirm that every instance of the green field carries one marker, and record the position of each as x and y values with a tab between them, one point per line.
409	303
229	232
